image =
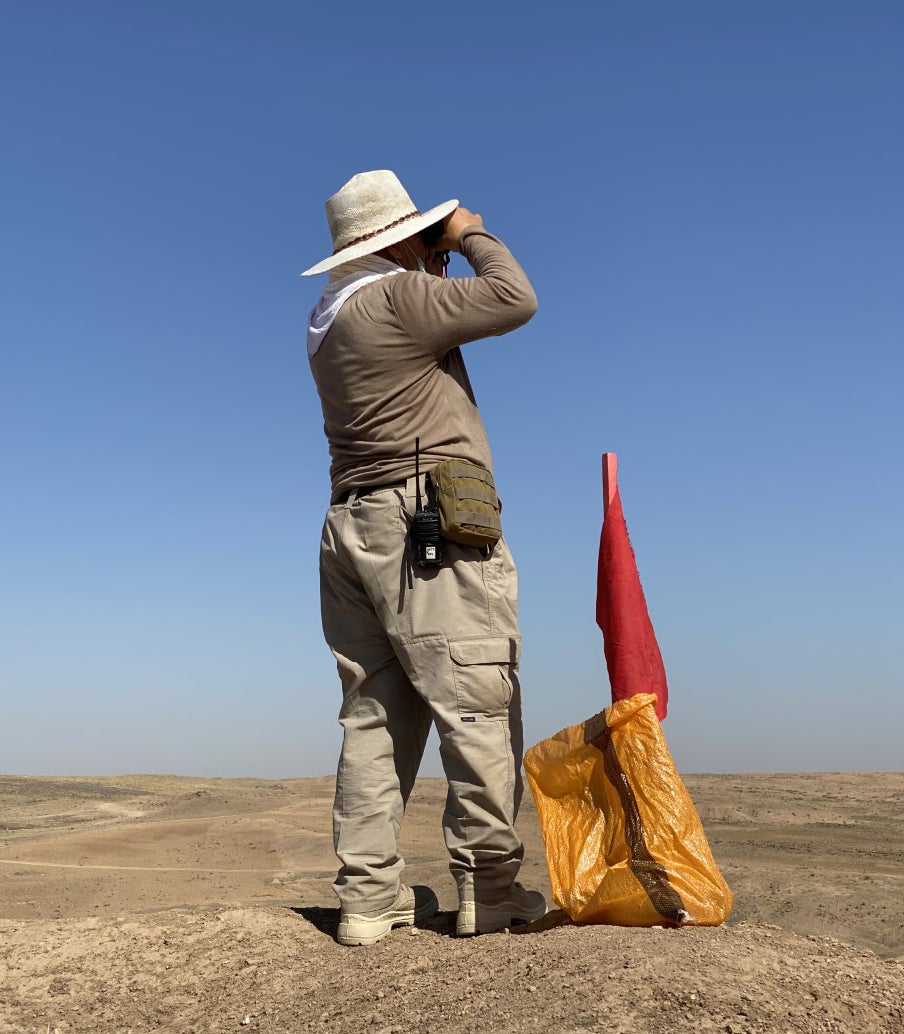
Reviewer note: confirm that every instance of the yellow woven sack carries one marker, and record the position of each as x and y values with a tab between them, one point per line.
624	843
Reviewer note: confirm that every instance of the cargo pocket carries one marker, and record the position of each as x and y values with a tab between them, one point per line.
484	672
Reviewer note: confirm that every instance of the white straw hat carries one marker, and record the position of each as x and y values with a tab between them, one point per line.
372	211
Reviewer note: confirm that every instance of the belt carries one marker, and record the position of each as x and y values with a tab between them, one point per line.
366	490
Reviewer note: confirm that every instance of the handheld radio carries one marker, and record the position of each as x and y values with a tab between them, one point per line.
426	543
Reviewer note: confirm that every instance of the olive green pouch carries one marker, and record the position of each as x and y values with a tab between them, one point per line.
468	505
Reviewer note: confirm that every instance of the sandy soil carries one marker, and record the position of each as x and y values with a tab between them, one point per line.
155	903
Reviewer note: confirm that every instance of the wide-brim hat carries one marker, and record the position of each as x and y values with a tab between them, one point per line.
372	211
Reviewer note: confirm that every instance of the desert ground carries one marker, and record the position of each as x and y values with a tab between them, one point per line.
159	903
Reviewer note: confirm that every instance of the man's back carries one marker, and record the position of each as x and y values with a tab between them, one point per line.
390	368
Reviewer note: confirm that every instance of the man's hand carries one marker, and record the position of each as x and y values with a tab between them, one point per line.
454	224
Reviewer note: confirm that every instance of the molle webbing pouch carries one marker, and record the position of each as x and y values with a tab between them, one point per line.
468	505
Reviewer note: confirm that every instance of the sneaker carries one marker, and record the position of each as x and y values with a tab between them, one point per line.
518	906
412	905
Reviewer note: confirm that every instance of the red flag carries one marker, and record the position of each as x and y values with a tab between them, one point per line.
632	653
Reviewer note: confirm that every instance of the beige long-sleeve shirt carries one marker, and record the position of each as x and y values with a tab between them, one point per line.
390	368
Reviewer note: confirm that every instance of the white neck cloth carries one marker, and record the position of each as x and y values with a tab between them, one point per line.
344	281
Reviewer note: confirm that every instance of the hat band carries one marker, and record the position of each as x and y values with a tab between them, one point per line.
376	233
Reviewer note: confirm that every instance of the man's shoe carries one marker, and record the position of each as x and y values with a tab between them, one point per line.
412	905
518	906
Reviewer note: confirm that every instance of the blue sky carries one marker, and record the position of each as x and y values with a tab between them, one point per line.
707	198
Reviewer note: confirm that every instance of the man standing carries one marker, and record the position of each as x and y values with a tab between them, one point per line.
415	644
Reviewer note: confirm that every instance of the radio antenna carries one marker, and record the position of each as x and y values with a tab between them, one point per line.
417	471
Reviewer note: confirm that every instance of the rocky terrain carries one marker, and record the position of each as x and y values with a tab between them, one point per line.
172	904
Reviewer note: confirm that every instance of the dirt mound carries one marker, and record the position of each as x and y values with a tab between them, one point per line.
280	970
160	903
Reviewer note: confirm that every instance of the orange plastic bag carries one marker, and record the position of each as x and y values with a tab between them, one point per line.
624	843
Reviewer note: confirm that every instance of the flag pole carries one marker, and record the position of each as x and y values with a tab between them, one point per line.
610	479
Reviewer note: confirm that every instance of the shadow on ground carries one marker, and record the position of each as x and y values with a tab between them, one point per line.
326	921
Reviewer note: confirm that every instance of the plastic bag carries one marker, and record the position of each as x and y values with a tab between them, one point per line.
624	843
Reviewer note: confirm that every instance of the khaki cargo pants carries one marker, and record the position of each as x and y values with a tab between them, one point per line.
416	646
